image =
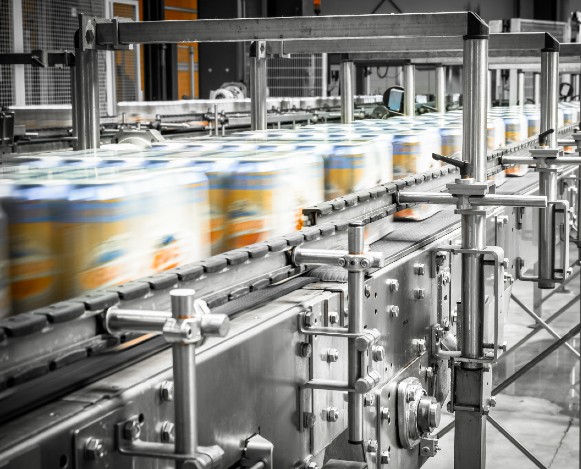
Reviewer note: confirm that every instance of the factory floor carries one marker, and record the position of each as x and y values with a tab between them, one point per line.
540	409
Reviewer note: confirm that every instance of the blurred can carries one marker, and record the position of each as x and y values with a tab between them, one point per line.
33	243
451	139
351	167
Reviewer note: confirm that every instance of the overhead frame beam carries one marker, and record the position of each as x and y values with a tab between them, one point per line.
289	28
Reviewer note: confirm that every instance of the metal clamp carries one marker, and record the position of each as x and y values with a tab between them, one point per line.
498	262
186	326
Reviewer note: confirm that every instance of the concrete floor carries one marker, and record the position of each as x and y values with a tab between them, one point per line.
540	408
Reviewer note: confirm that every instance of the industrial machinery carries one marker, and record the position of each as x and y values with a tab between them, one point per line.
330	347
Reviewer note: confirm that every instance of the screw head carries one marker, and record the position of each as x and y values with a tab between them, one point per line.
368	400
410	395
425	451
341	262
131	430
393	285
419	269
332	414
310	319
333	317
305	350
385	457
377	353
371	446
332	355
492	401
393	310
421	345
365	384
166	391
168	432
365	263
419	293
384	413
309	419
429	372
94	449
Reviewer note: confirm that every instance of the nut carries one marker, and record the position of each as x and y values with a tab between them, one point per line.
385	457
365	384
429	372
309	419
168	432
419	293
166	391
90	36
333	317
410	395
377	353
368	400
492	401
419	269
371	446
332	355
94	449
332	414
393	310
384	413
310	319
131	430
421	345
305	350
392	284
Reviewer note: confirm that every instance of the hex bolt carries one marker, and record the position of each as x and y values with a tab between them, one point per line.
309	419
365	384
421	345
419	269
492	401
445	278
332	414
131	430
168	432
377	353
310	319
410	395
393	310
419	293
392	284
384	413
368	400
385	457
505	262
371	446
333	317
305	350
332	355
94	449
166	391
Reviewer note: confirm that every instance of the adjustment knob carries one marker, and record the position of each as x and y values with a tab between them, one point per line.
429	414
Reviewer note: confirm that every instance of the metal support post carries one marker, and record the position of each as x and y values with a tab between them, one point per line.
470	435
86	120
548	176
520	83
440	88
490	95
192	73
355	291
346	73
258	115
188	323
537	88
409	86
575	84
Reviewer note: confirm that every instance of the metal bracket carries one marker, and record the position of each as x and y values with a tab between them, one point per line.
498	262
258	450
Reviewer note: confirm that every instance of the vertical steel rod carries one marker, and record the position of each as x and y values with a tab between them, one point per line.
520	84
490	94
258	116
346	72
575	85
537	88
184	365
86	99
355	291
470	435
440	88
409	86
192	73
548	177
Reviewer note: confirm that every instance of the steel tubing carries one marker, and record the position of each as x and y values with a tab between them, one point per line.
510	200
426	198
184	366
318	256
258	115
520	87
119	321
409	86
440	88
346	71
355	291
549	94
537	88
